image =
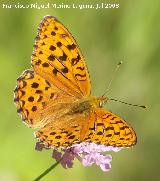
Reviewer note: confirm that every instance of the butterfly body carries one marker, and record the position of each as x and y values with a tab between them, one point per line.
54	96
87	104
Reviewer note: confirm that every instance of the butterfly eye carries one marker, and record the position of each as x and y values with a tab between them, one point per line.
100	104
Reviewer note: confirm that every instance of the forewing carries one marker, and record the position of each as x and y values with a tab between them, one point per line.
108	129
58	59
36	99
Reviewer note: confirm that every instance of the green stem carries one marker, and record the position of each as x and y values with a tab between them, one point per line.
47	171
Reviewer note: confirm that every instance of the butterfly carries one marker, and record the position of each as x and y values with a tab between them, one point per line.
54	96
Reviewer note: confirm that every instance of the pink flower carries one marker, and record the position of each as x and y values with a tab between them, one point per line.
67	160
86	153
39	146
91	153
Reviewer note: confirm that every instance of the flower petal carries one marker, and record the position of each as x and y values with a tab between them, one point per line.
56	155
39	146
87	153
68	157
88	160
105	167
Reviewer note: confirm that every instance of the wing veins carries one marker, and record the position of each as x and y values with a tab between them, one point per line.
64	67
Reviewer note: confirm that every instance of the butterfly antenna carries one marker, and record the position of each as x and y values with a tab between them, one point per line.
127	103
113	75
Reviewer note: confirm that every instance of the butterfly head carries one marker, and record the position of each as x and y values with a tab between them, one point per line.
102	100
98	102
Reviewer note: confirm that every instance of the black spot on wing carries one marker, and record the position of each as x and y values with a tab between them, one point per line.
52	48
63	57
80	68
31	99
45	64
59	44
81	77
55	71
51	57
65	70
53	33
74	61
34	108
35	85
71	47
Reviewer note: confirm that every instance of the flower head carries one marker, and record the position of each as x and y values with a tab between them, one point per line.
86	153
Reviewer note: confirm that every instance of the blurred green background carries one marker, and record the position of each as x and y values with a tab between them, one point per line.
107	36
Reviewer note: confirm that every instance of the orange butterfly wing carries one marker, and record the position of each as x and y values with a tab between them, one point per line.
37	100
58	59
59	80
63	132
108	129
99	126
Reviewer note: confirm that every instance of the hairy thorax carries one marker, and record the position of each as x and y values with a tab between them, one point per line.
87	104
